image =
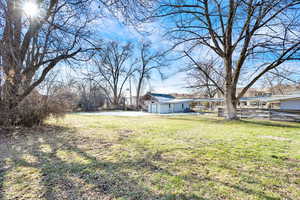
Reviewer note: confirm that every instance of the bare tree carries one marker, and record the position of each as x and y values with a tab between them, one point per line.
206	77
148	60
32	44
281	81
59	88
91	95
113	70
251	37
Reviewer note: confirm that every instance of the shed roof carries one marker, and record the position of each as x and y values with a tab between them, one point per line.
209	100
162	95
179	101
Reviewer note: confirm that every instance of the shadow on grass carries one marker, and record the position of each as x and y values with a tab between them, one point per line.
270	123
95	178
257	122
196	119
67	179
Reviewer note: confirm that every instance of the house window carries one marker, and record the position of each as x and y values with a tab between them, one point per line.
169	105
182	106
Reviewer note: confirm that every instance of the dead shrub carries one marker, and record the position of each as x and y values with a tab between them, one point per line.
34	109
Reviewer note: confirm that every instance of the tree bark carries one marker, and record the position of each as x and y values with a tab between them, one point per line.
230	91
230	105
138	92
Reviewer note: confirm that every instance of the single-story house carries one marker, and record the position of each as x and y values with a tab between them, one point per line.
286	102
163	104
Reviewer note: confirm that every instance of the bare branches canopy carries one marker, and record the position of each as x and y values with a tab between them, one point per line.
247	35
32	45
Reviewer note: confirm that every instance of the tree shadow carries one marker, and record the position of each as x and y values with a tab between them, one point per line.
106	179
270	123
257	122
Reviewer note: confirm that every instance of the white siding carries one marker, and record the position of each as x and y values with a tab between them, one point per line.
152	108
167	108
180	107
164	108
290	105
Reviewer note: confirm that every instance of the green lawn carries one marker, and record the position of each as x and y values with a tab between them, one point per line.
152	157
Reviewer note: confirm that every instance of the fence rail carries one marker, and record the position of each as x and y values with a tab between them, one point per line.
271	114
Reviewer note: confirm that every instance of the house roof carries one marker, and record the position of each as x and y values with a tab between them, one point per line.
162	95
209	100
179	101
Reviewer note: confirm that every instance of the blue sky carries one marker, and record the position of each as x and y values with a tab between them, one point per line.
111	29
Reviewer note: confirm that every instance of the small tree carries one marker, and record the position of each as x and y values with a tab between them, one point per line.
91	96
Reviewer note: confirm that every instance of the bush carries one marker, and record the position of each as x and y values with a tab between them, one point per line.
34	109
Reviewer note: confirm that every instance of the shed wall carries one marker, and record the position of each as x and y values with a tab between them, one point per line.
167	108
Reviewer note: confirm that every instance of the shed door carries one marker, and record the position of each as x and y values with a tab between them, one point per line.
170	108
154	108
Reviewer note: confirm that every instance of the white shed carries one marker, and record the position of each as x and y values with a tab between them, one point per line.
164	104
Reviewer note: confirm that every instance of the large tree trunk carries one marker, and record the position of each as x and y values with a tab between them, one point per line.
138	93
115	101
9	102
230	91
230	105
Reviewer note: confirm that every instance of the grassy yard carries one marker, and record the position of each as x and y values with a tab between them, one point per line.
152	157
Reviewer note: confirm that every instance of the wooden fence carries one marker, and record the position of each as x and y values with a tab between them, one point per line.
271	114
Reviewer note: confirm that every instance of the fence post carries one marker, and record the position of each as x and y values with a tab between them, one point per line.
220	112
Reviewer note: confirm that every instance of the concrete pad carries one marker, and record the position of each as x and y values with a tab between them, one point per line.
117	113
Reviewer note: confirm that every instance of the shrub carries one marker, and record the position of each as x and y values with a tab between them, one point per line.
35	108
